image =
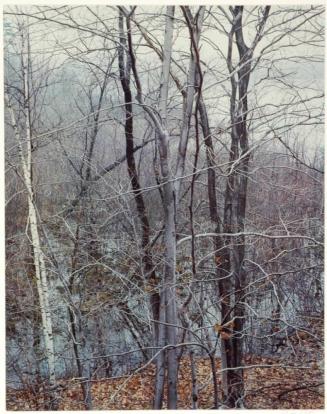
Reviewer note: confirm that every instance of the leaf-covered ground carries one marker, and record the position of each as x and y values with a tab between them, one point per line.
268	385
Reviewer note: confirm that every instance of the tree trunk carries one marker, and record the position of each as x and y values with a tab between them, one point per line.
39	262
233	287
124	73
160	361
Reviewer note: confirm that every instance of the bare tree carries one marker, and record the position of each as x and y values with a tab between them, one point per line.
164	209
25	142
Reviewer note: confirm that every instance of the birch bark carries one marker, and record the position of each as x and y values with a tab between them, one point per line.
41	276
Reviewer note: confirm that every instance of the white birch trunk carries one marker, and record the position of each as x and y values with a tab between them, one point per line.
39	262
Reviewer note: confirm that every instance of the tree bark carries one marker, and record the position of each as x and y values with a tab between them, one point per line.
232	289
124	72
38	255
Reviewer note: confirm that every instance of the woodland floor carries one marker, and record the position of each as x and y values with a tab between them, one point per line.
268	385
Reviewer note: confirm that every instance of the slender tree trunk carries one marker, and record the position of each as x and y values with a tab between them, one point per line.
170	293
78	352
167	314
218	242
195	26
124	72
169	191
232	288
39	261
79	341
160	362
